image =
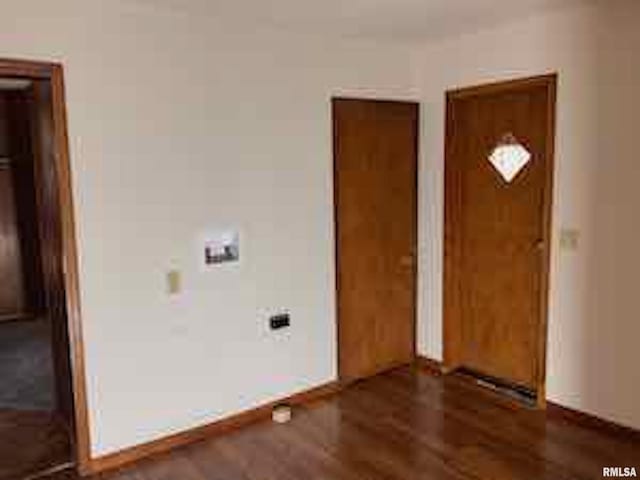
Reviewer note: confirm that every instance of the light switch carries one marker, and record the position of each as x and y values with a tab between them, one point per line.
173	282
569	239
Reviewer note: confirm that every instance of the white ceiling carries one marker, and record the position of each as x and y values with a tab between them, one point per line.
383	19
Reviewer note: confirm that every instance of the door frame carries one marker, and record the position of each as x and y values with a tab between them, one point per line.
336	227
52	73
450	323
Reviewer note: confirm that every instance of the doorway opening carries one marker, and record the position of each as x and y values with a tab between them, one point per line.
42	409
498	192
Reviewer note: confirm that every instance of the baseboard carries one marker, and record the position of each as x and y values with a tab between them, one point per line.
138	452
429	365
592	422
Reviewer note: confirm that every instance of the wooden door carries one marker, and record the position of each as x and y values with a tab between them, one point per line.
18	116
497	230
11	288
375	161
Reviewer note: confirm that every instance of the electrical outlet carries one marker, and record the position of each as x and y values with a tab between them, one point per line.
279	321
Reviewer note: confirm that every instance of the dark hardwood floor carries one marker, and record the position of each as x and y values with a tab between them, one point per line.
31	441
404	425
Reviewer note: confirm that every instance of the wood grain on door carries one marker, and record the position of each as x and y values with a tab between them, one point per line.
375	152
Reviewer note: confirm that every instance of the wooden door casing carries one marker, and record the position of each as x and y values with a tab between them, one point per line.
58	171
375	188
497	234
50	232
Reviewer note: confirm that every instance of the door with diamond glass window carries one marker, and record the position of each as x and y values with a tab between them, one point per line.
498	182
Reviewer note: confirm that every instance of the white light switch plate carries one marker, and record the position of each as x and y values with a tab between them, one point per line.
569	239
174	282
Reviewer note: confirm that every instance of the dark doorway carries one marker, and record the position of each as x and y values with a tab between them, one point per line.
36	395
375	172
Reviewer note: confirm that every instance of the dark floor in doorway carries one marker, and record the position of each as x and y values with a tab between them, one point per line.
26	366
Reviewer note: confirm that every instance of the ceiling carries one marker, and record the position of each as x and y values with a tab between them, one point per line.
381	19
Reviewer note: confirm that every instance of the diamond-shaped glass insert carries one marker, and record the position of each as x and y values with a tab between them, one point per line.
509	158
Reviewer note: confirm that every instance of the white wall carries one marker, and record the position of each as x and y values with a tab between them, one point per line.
177	126
594	324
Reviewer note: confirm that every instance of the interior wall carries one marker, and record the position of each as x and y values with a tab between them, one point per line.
593	317
178	125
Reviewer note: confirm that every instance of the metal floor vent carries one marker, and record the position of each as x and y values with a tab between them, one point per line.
520	394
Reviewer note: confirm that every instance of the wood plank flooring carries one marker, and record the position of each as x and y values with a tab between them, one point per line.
404	425
31	441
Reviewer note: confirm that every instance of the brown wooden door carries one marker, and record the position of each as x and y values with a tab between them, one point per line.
375	150
497	231
11	288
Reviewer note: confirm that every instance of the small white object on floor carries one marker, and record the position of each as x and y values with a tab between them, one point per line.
281	414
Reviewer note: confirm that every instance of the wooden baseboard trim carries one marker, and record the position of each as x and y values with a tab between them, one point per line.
138	452
592	422
429	365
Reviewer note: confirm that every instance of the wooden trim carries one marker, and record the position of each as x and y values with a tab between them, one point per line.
503	86
450	314
549	81
416	219
336	202
429	365
26	69
592	422
53	73
70	260
138	452
336	236
340	98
